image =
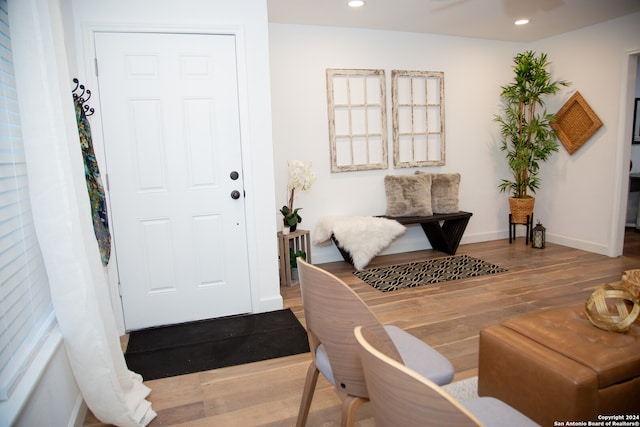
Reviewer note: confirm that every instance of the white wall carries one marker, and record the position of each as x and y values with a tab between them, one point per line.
56	400
247	19
585	206
474	71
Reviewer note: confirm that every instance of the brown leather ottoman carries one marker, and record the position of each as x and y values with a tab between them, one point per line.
554	365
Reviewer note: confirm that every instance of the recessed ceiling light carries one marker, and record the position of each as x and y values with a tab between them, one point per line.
356	3
521	21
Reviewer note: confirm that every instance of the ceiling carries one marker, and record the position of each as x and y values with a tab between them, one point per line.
486	19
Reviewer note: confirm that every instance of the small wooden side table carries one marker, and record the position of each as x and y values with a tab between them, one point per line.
297	241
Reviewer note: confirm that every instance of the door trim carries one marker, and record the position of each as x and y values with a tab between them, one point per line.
629	70
89	53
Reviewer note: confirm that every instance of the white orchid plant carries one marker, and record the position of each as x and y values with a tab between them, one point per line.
301	176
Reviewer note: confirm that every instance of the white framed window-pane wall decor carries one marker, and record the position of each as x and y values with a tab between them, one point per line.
418	118
356	102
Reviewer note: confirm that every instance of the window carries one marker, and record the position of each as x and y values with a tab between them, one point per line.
26	312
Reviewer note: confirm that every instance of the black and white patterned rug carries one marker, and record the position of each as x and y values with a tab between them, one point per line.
421	273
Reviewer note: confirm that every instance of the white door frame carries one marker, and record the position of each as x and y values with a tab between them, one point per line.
89	53
623	152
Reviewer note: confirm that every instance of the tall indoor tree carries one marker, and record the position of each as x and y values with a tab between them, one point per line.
527	136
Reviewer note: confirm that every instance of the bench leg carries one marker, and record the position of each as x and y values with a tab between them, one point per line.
445	237
345	255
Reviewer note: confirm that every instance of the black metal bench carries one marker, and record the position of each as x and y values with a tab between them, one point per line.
444	231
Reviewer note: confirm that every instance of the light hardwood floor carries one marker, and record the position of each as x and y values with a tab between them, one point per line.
448	316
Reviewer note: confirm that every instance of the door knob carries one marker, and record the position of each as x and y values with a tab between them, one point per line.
235	194
234	175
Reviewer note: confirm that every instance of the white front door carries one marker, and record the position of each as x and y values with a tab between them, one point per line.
169	108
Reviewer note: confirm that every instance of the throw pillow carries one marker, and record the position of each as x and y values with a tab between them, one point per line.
444	192
408	195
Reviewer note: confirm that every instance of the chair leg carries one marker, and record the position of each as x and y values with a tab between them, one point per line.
350	405
307	395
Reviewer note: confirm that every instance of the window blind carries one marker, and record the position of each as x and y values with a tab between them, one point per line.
26	312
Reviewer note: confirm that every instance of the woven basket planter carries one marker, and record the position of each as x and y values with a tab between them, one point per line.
520	208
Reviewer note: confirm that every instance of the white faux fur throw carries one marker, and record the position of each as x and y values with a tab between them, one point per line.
362	236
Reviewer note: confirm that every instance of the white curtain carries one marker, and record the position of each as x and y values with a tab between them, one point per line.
62	217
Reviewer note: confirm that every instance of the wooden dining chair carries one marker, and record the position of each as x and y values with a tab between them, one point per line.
332	310
402	397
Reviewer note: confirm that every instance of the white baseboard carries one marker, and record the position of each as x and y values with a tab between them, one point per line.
79	413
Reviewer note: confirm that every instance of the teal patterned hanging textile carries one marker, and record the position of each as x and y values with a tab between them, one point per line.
92	172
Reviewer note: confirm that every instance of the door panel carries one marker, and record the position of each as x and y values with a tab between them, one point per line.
171	128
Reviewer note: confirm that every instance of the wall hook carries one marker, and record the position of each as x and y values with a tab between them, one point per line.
81	95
